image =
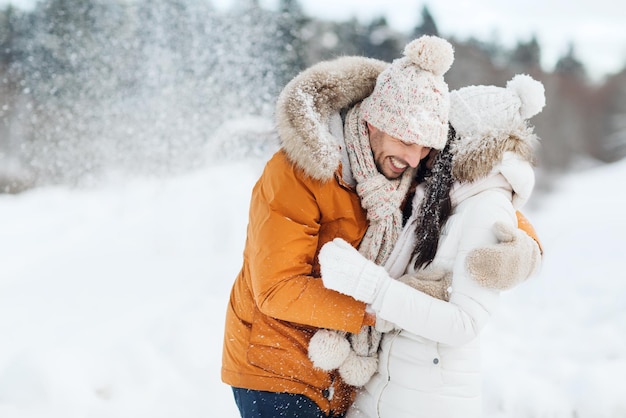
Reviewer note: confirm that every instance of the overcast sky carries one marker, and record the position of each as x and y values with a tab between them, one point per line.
595	27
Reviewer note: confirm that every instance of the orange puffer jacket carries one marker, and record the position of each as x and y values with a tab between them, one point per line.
301	201
278	301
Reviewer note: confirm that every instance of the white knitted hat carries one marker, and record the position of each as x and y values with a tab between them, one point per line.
410	101
481	111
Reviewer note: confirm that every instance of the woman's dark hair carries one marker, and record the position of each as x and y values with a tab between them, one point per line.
436	206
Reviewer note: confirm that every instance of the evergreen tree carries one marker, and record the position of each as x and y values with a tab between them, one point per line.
8	18
609	140
352	38
291	23
428	25
248	66
569	65
381	41
527	55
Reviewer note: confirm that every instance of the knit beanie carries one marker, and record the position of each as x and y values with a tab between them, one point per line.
487	111
410	100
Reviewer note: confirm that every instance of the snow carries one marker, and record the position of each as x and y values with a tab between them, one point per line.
112	300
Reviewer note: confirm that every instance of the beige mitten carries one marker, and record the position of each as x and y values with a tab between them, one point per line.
503	266
433	282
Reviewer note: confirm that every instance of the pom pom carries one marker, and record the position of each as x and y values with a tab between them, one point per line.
430	53
358	370
530	91
328	349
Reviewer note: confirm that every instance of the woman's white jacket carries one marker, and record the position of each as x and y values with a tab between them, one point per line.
431	368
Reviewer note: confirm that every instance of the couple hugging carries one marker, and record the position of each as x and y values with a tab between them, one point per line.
380	235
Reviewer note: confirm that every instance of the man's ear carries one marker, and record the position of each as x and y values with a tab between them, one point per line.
371	128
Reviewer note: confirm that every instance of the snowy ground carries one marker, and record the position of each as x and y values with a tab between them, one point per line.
112	300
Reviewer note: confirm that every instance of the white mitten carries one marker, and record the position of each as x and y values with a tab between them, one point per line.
504	265
345	270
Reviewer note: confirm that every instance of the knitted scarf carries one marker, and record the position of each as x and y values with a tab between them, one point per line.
380	197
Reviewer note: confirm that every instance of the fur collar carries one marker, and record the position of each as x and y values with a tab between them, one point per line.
475	157
308	103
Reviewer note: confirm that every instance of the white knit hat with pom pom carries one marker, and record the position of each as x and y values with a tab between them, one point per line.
410	101
489	110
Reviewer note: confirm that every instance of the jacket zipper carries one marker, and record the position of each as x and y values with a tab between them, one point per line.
382	390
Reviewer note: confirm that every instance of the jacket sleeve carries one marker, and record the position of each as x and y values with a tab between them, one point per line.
463	317
524	224
283	241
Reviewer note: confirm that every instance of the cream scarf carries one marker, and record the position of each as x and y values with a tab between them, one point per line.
380	197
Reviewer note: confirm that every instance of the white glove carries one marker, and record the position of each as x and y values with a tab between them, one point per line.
345	270
504	265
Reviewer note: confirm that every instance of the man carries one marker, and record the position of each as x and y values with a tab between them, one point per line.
353	131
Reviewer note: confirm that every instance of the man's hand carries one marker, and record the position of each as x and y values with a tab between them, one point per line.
345	270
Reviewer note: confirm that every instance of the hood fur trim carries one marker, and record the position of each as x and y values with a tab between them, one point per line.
475	157
305	106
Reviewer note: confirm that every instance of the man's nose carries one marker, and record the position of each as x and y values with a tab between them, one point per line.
413	155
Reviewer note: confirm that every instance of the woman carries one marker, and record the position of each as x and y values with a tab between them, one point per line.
430	366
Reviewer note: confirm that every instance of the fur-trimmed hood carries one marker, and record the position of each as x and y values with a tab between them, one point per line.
475	157
308	103
510	155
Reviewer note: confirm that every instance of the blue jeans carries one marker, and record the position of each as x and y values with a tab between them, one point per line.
260	404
